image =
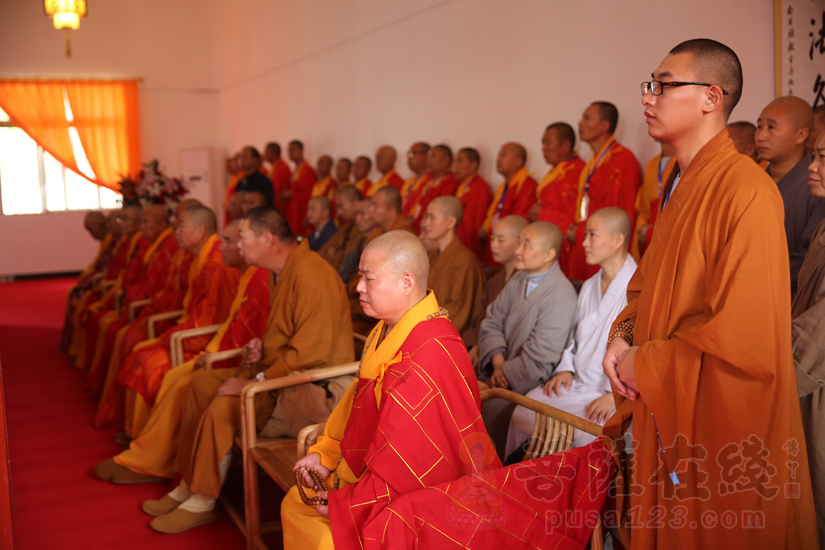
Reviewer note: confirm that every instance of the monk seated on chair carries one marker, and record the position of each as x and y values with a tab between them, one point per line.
309	327
579	385
151	456
409	420
528	326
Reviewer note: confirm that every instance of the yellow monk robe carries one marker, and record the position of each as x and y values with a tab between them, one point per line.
390	178
475	196
363	185
411	192
648	199
718	412
325	188
153	451
457	279
610	178
336	249
118	261
557	198
155	263
421	435
87	280
208	302
309	327
132	262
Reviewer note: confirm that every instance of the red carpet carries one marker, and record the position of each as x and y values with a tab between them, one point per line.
58	502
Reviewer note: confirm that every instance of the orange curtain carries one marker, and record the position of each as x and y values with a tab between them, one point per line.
106	118
37	107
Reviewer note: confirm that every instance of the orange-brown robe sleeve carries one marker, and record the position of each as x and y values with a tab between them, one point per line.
457	280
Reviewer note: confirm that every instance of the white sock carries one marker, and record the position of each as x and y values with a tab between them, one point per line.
181	492
198	503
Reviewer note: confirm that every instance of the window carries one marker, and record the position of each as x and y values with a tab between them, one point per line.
34	182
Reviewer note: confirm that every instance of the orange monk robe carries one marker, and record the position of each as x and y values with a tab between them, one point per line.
363	186
153	451
710	306
156	262
301	185
324	188
227	195
208	302
457	279
648	199
411	423
475	196
128	262
557	198
87	281
610	178
512	198
336	249
309	327
118	259
445	184
390	178
411	191
110	406
281	177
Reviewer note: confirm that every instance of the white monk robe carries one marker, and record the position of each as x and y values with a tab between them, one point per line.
583	357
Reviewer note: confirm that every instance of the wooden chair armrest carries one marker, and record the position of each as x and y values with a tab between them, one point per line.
105	285
249	428
119	300
212	358
579	423
158	317
308	436
359	337
133	307
176	341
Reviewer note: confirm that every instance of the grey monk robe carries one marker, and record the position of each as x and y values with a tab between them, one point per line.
808	331
531	332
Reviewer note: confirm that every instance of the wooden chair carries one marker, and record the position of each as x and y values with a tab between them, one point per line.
276	456
134	306
157	318
176	342
552	432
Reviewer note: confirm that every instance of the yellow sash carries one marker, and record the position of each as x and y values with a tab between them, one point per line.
319	189
383	182
464	188
147	257
194	271
376	359
118	286
556	173
514	187
215	343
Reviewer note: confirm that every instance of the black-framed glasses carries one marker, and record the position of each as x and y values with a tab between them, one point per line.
657	87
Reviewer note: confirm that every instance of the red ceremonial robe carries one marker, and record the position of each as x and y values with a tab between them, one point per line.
475	196
390	178
614	179
412	191
446	184
301	186
551	502
557	198
281	177
512	198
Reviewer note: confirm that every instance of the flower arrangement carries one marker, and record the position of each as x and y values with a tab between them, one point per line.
151	186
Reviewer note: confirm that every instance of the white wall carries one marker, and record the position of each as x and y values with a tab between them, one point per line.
346	77
165	43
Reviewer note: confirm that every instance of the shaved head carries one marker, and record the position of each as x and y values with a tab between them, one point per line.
547	234
742	131
385	158
154	220
715	63
269	219
391	197
403	253
512	225
615	221
94	216
199	214
348	192
130	219
449	206
608	112
95	224
795	109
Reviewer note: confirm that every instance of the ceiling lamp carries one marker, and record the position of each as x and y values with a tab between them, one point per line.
66	14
